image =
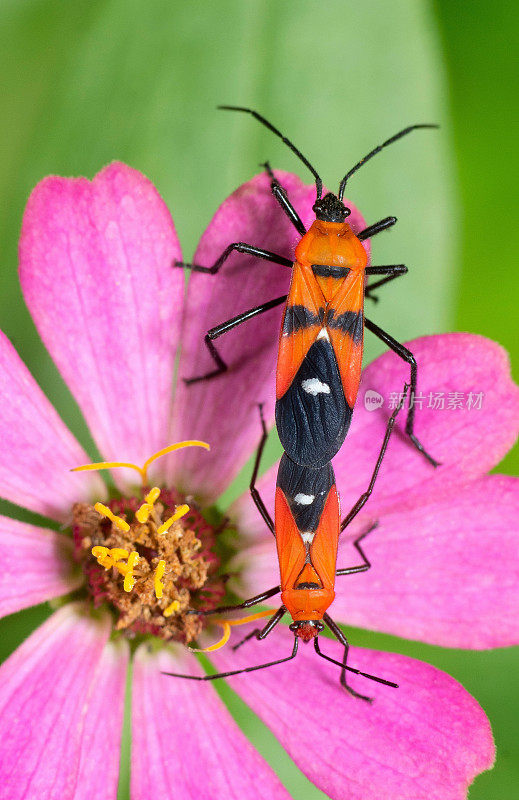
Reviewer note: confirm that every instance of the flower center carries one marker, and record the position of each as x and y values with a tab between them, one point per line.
152	559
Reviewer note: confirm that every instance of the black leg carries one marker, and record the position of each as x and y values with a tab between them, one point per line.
240	247
363	499
235	671
222	328
392	271
262	633
258	502
281	195
407	356
377	227
339	635
366	562
252	601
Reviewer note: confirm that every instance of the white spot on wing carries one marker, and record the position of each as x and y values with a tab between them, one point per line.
307	536
323	334
304	499
315	386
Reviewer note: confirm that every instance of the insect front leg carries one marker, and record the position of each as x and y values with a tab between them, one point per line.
281	195
240	247
409	358
261	633
339	635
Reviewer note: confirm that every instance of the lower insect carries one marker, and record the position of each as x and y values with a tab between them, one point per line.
306	529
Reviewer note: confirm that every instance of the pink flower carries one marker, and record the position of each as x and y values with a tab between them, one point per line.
95	265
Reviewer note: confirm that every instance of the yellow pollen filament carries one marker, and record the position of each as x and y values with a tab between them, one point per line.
143	471
129	580
159	572
117	521
226	624
174	606
180	512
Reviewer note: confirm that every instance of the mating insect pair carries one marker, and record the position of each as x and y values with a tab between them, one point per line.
317	380
321	340
306	529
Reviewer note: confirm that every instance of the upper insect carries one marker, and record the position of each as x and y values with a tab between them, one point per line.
321	340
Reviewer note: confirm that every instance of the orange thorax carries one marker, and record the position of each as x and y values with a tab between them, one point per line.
331	244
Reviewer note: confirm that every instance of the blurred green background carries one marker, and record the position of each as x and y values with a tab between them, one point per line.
89	81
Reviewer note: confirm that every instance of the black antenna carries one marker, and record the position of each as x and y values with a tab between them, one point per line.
267	124
377	150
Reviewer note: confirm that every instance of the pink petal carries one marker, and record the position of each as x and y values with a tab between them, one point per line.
467	442
98	774
427	739
223	411
44	688
37	564
96	272
446	573
37	451
185	744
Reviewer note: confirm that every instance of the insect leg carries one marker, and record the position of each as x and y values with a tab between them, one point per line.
342	639
240	247
346	667
258	502
363	499
262	633
281	195
377	227
366	562
391	271
407	356
252	601
235	671
222	328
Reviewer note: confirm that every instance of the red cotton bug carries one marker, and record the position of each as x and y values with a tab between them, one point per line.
321	340
307	529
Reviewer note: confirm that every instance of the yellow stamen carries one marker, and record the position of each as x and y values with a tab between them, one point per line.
107	557
180	512
143	471
174	606
159	572
129	580
142	514
117	521
226	624
118	553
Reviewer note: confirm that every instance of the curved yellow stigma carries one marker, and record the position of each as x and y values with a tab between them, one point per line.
159	572
226	624
143	471
180	512
117	521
